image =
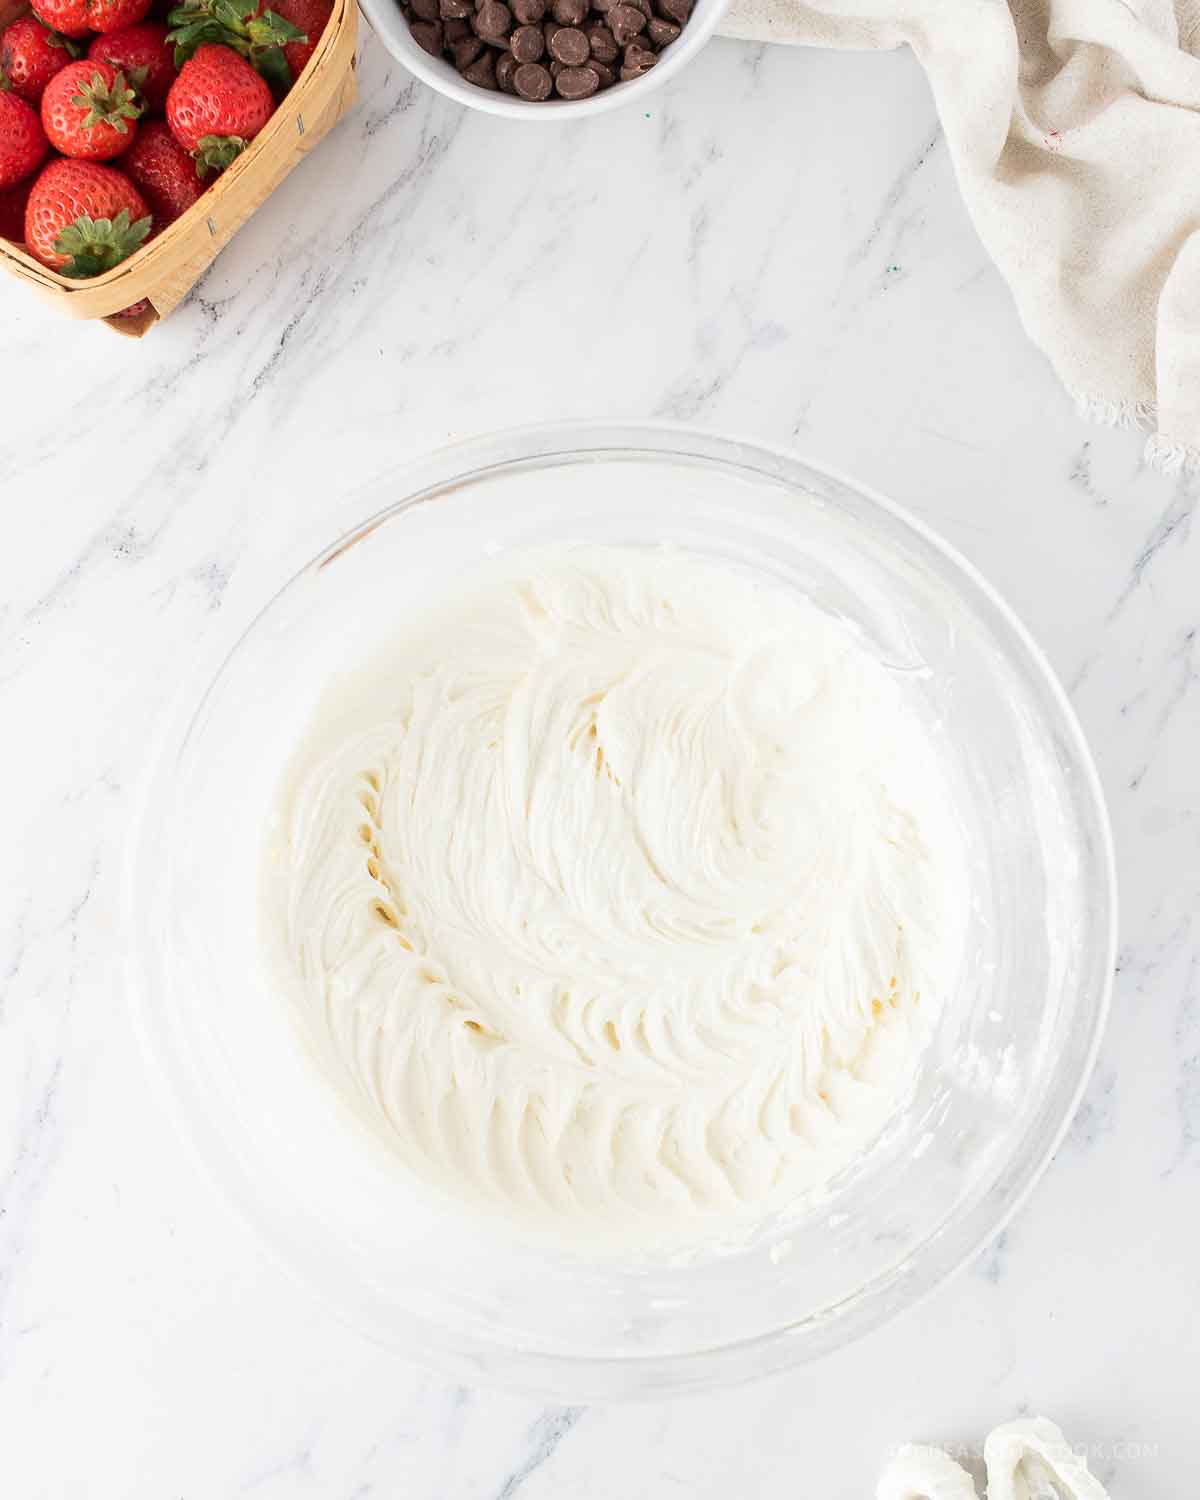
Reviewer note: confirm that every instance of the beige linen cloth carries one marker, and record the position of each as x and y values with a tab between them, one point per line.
1074	128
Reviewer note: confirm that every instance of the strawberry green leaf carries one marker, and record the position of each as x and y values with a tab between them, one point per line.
233	13
107	105
97	245
214	153
187	35
69	45
271	30
273	66
235	24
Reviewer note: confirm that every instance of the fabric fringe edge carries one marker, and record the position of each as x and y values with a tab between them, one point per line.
1140	416
1171	458
1161	453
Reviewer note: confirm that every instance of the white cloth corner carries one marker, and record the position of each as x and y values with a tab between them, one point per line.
1074	128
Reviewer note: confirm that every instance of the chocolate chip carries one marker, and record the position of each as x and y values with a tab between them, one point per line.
483	72
625	22
428	34
527	43
532	82
506	66
539	48
492	19
569	46
576	83
604	44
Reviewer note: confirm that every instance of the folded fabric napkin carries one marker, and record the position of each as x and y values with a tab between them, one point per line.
1074	128
1025	1460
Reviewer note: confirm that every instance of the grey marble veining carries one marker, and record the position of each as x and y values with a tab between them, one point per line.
774	246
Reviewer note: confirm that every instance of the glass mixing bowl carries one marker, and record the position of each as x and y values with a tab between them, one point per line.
995	1090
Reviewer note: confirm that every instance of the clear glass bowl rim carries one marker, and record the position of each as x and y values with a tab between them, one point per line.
590	1377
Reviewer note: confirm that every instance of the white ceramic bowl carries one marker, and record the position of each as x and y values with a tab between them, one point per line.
392	30
998	1084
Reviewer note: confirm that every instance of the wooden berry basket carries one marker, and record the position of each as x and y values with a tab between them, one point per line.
166	269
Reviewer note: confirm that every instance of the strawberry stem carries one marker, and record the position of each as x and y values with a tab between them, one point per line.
238	24
108	105
69	45
94	246
214	153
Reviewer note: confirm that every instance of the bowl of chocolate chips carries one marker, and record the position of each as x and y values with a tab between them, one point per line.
544	59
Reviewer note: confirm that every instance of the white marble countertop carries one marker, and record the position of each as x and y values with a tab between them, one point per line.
775	247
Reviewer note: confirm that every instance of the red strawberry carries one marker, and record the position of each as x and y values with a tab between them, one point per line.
309	16
217	105
89	111
83	218
165	175
22	140
247	26
12	211
78	17
144	56
30	55
68	17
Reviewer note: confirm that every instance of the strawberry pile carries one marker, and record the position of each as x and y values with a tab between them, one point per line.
112	122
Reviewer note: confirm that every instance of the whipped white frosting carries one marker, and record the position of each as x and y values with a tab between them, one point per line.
621	895
1028	1459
